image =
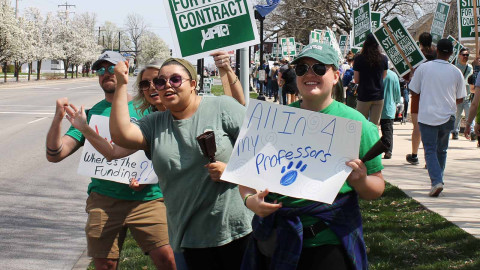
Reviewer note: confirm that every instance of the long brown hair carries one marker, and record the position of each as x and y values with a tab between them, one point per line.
371	51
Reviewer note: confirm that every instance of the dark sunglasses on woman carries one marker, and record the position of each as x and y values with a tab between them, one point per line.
174	81
102	70
318	68
145	85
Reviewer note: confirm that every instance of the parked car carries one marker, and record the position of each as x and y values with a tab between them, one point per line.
136	71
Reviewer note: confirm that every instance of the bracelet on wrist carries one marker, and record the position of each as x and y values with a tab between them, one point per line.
246	197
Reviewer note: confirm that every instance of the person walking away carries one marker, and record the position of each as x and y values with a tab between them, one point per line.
274	81
429	51
282	95
370	68
392	94
113	208
441	87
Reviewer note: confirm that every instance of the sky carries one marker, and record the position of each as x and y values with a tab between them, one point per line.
114	11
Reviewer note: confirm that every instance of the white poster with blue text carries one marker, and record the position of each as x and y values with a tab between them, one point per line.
294	152
121	170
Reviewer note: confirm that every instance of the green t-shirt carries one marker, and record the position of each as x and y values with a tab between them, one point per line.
110	188
368	139
201	213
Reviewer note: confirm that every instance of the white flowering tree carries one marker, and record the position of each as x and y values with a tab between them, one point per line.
77	41
8	30
152	47
86	47
22	51
43	37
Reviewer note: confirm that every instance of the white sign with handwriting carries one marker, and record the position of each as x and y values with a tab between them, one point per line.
121	170
294	152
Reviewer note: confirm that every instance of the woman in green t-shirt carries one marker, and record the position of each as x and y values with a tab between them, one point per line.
293	233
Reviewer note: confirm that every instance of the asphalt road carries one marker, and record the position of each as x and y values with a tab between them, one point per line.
42	204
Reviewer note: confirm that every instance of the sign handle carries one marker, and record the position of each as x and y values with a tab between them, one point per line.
475	20
398	46
225	82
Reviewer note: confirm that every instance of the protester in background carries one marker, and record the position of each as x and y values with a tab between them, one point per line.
392	96
290	86
441	87
369	70
282	95
274	80
348	82
112	207
474	108
292	233
267	90
429	51
467	71
207	222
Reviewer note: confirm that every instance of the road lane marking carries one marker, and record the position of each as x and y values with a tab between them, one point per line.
31	122
27	113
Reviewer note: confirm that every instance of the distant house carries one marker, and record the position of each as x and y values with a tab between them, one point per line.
48	66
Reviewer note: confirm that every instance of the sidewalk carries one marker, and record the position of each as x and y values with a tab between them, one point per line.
460	200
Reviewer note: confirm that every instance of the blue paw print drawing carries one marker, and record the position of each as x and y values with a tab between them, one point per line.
289	177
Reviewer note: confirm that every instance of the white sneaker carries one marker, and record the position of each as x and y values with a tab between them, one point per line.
436	190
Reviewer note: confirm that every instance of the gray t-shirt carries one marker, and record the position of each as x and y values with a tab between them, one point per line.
201	213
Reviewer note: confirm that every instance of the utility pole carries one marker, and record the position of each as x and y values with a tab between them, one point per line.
67	6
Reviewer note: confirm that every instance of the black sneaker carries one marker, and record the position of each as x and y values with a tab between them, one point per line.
473	136
387	155
454	136
412	160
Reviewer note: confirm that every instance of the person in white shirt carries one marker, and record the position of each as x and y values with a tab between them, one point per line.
441	87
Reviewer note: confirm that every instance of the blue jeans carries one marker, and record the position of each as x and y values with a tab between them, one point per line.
462	107
435	144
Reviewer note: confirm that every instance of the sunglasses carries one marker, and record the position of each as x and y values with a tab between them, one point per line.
145	85
101	71
466	55
319	69
174	81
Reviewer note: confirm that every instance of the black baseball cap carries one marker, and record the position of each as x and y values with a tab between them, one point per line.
445	45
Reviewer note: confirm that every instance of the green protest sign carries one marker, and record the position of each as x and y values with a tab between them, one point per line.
276	50
457	46
343	44
201	27
355	50
361	24
466	25
288	46
314	36
405	42
376	19
439	21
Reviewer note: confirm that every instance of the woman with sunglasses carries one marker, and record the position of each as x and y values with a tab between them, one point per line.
370	69
207	219
294	233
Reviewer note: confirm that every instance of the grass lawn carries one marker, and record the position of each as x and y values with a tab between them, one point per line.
399	233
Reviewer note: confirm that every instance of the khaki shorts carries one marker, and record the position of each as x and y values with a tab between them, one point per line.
109	219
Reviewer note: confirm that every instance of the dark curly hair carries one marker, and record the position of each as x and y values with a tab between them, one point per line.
371	51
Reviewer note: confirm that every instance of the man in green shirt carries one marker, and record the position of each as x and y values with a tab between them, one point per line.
112	207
